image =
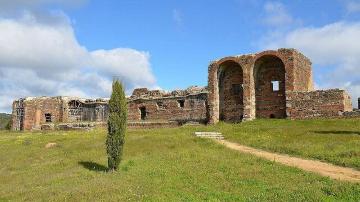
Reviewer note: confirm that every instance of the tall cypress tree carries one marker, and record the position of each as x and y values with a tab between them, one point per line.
116	125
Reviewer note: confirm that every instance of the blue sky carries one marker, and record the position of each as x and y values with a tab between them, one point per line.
74	47
182	37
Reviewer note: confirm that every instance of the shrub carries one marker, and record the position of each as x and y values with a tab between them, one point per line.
116	125
8	125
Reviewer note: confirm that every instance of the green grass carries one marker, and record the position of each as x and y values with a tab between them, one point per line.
158	165
336	141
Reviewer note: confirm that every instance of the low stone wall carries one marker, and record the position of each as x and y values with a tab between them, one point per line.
352	114
317	104
149	124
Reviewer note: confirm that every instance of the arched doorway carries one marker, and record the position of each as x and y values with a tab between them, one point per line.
269	77
230	80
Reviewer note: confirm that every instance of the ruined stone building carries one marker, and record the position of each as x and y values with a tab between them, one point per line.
37	113
269	84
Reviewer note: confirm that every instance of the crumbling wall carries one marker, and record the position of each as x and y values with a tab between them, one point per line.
93	110
32	113
180	106
303	78
298	76
41	110
231	92
269	77
318	104
17	119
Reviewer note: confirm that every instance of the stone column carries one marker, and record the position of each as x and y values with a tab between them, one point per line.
213	96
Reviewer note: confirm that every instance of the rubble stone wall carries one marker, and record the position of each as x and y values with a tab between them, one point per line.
36	110
179	106
76	110
303	79
318	104
32	113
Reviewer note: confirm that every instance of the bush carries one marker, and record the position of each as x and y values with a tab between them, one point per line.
116	125
8	125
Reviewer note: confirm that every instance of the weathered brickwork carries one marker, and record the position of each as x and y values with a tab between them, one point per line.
230	92
146	109
44	112
269	84
268	77
37	111
315	104
181	106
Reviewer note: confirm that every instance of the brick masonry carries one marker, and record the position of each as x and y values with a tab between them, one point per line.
181	105
321	103
268	84
288	67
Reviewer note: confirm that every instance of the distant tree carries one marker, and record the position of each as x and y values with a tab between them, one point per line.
116	125
8	125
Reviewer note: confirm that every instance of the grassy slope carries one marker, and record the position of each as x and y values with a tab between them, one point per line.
158	165
336	141
4	120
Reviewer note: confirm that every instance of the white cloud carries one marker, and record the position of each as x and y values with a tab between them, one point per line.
135	65
46	49
45	58
336	46
276	14
353	6
11	6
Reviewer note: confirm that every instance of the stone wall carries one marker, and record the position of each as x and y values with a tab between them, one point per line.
231	92
239	88
17	118
318	104
303	78
93	110
294	74
32	113
180	106
38	111
269	76
160	109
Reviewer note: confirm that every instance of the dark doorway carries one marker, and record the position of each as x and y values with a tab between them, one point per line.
181	103
230	79
142	113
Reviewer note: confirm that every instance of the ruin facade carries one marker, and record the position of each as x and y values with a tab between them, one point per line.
42	112
269	84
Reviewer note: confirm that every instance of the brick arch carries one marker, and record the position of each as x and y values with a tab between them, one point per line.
269	72
230	90
273	53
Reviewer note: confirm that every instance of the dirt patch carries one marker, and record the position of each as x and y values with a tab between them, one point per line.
324	169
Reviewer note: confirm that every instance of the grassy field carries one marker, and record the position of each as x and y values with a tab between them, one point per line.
161	165
336	141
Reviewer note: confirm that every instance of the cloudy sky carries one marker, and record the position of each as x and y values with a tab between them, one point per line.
76	47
